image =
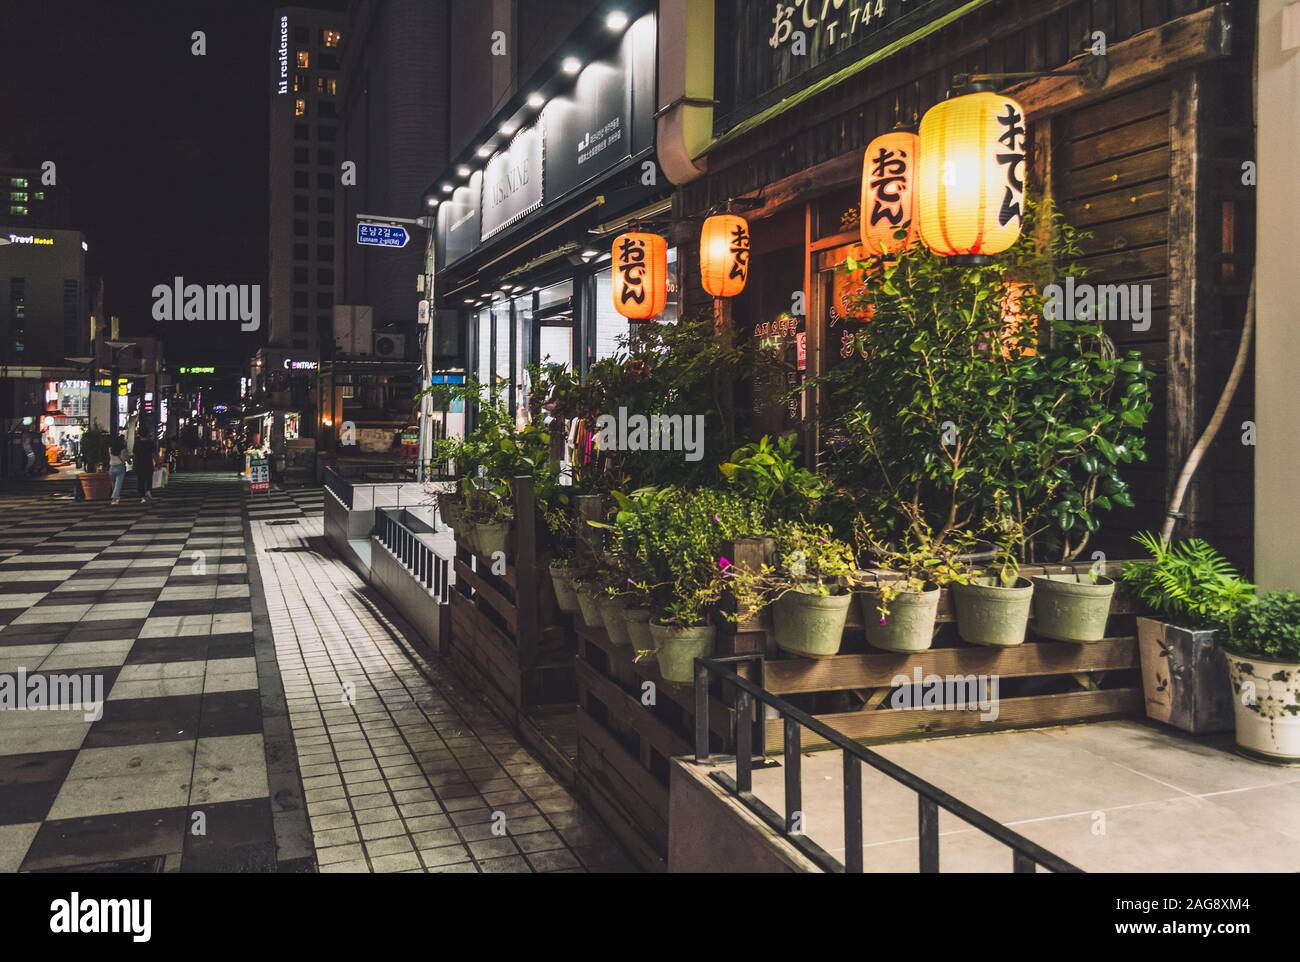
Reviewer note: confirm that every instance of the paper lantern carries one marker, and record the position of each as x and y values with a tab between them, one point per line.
724	255
889	193
640	269
971	184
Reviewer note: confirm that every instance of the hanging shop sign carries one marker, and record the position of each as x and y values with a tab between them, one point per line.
771	49
888	213
724	255
640	268
512	183
972	175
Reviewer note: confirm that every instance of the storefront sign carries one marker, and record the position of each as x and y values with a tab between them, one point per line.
198	370
301	365
512	183
775	48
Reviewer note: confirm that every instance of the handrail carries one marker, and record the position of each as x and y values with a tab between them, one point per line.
427	566
339	486
1026	855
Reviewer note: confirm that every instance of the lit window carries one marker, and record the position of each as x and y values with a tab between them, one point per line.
18	195
304	59
327	86
38	195
17	181
299	83
18	210
331	38
299	108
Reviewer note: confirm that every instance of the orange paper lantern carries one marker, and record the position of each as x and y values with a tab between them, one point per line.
972	175
640	269
724	255
889	193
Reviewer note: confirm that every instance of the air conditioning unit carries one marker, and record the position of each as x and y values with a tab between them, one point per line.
390	346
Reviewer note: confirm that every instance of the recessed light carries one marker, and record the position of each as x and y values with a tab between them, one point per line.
432	202
536	99
571	65
463	171
507	129
616	20
590	254
485	150
447	188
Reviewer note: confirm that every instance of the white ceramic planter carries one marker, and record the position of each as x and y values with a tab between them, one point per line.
1266	703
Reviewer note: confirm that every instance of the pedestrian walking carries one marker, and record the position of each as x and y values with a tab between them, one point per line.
117	465
142	461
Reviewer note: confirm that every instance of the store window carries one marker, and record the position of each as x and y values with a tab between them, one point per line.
501	342
611	326
554	322
483	370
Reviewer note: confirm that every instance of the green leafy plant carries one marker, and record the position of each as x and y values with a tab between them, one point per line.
809	560
671	540
1268	626
916	560
94	449
1188	583
768	472
959	416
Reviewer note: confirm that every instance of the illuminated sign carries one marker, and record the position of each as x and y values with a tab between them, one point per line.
220	408
282	54
198	370
300	365
31	239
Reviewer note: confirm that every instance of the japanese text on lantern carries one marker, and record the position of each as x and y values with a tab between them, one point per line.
889	172
1013	139
632	266
739	253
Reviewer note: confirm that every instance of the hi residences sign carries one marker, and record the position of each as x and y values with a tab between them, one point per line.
606	118
769	49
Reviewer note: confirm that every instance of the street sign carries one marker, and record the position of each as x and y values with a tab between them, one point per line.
382	235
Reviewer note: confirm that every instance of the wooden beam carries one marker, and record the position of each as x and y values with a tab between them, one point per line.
1192	41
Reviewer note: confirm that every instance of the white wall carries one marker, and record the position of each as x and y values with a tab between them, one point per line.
1277	466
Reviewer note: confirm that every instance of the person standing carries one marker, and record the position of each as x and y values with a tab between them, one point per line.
117	465
142	460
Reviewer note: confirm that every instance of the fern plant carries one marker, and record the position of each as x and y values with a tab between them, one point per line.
1188	583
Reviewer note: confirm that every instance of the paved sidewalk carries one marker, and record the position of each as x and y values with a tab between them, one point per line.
403	768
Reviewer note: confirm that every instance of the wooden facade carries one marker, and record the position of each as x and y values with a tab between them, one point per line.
1149	165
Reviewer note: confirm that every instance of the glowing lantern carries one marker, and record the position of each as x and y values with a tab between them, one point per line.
640	265
972	175
724	255
888	193
1019	322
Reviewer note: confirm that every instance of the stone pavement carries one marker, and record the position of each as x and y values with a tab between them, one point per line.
185	759
403	768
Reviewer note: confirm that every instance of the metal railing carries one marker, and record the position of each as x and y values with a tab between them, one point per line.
339	486
1026	856
428	567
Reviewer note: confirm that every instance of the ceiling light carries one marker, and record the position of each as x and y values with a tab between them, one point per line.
485	150
432	202
571	65
446	188
507	129
463	171
616	20
589	254
536	100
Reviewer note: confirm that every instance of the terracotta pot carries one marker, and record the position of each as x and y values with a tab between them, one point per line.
97	486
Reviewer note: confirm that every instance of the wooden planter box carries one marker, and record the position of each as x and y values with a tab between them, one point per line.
497	636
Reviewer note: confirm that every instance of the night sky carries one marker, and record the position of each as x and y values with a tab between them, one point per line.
166	153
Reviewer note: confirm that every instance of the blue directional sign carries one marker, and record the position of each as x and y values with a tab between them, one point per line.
382	235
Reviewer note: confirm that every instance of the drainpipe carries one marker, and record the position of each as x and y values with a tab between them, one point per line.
684	120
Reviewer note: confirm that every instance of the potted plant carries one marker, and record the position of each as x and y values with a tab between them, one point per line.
679	535
806	589
559	525
1072	607
900	599
993	606
96	484
1263	656
1194	593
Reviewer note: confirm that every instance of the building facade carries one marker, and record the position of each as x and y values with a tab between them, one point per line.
306	58
27	201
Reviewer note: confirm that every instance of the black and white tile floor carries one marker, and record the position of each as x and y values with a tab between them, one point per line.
260	712
287	504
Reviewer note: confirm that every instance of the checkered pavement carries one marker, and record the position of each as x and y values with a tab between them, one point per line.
155	600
